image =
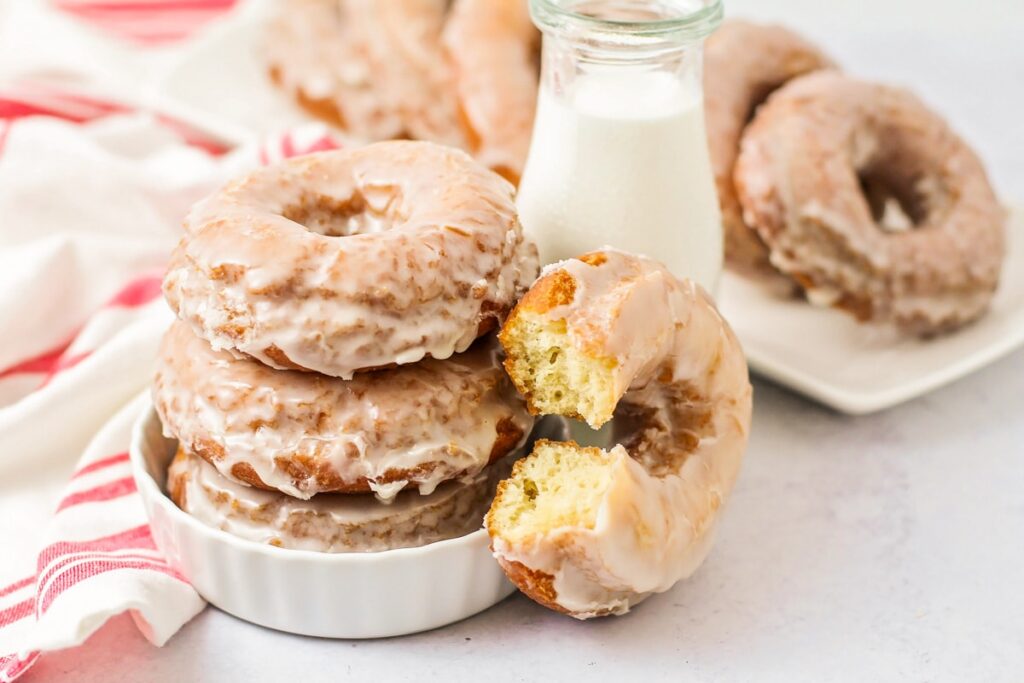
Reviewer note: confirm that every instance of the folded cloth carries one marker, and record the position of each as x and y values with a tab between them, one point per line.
98	560
92	193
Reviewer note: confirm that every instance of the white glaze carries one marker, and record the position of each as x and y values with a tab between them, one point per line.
441	417
656	520
799	180
410	71
333	522
743	63
493	46
319	54
248	279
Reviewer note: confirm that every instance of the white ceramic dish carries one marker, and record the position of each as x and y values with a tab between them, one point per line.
858	369
346	595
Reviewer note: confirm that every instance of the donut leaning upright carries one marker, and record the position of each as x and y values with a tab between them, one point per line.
591	532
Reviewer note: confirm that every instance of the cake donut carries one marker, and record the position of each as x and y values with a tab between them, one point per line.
403	42
591	532
318	53
352	260
331	523
801	176
744	62
303	433
494	48
460	73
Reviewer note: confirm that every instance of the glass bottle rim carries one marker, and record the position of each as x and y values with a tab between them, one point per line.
558	15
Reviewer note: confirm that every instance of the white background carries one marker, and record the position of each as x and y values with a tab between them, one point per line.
881	548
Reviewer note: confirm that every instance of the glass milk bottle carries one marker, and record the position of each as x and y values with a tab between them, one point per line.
619	155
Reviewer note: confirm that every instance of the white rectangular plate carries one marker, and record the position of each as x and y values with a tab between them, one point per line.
857	368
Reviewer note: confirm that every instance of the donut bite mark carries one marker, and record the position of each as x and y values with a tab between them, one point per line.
591	532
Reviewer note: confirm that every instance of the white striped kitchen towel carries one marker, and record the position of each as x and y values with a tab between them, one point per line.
92	193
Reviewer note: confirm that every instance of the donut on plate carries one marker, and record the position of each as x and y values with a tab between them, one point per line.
374	69
318	54
462	73
330	522
352	260
302	433
403	42
745	62
872	203
591	532
495	49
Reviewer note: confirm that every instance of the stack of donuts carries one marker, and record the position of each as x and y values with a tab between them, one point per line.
333	381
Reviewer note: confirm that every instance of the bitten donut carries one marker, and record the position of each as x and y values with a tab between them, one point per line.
744	63
495	48
331	523
302	433
591	532
352	260
801	176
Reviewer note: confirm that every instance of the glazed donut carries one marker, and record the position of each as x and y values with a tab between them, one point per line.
799	176
744	63
590	532
302	433
352	260
494	47
331	522
403	40
318	54
463	74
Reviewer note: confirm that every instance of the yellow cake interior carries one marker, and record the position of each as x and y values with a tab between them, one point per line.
556	377
559	484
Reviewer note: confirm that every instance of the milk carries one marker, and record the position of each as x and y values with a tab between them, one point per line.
621	159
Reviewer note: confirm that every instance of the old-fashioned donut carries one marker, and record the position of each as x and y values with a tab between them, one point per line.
406	58
318	54
351	260
460	73
744	62
827	164
302	433
591	532
494	48
332	522
374	69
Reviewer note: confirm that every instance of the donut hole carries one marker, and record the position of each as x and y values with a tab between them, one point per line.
332	217
662	426
895	204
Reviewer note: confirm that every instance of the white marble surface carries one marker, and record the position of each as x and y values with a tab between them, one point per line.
883	548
